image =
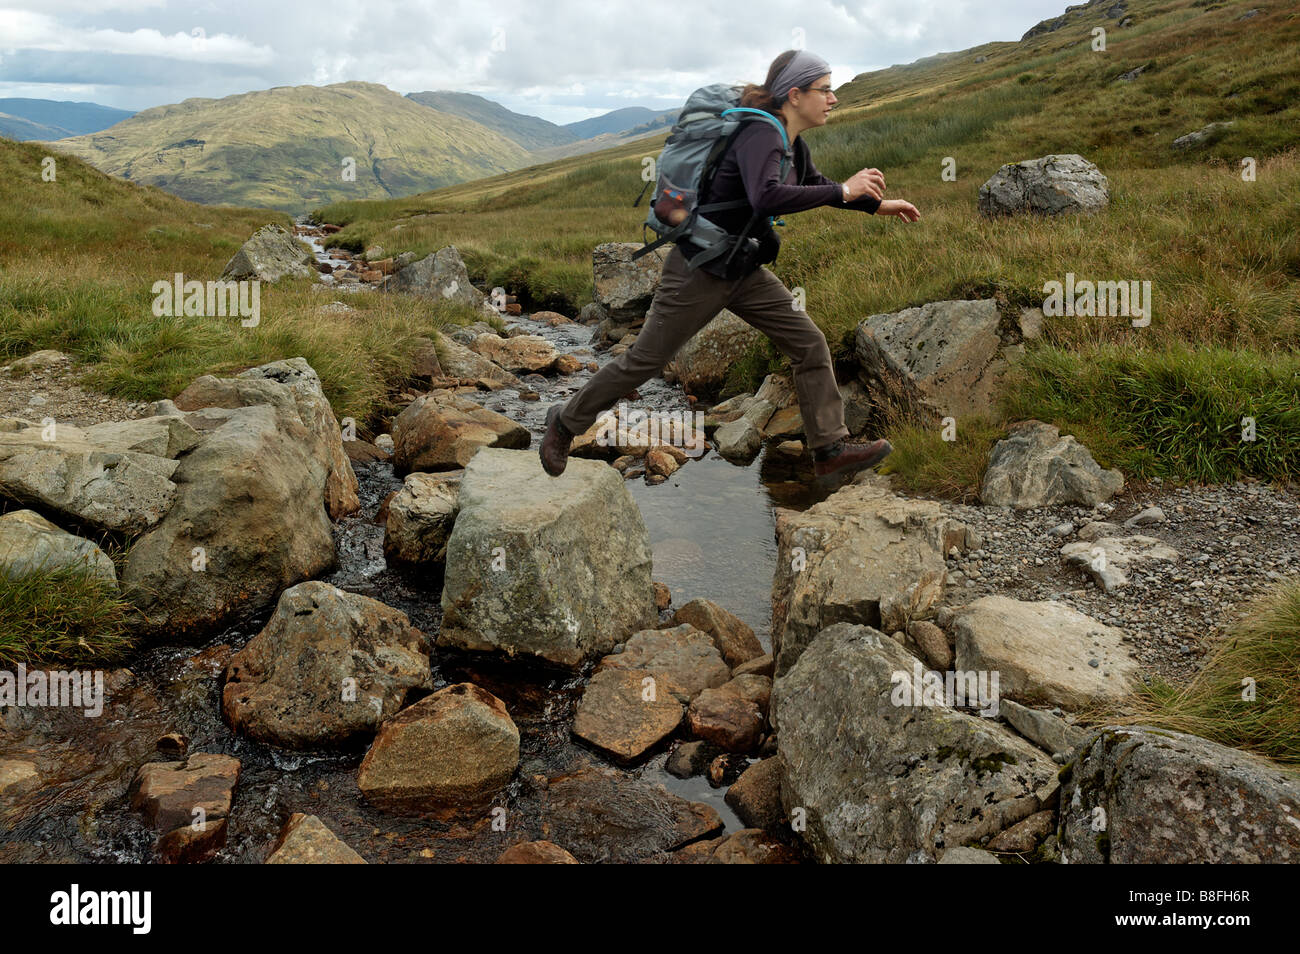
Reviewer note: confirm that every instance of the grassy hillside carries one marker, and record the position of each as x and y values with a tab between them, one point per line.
284	148
1222	254
79	256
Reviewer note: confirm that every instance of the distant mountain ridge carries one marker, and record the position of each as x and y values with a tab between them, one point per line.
24	119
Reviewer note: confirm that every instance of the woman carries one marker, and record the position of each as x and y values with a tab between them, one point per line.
798	92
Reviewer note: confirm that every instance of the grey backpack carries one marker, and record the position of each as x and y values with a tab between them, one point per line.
704	130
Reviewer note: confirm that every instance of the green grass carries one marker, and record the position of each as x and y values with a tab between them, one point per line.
1265	649
62	616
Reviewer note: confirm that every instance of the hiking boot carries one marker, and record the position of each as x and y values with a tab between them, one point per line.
839	458
554	449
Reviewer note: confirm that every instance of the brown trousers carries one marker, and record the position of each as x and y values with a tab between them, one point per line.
685	302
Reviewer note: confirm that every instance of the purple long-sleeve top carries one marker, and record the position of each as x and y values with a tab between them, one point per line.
751	170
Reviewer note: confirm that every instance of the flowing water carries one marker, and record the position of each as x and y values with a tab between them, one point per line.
711	529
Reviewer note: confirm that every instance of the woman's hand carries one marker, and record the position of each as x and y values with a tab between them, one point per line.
899	207
866	182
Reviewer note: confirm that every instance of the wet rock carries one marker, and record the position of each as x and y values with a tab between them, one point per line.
726	719
1051	185
249	519
442	431
1108	560
187	803
624	714
740	439
660	462
272	253
361	452
72	477
862	555
536	853
419	520
1143	795
449	754
756	795
602	815
682	661
326	670
552	567
306	840
663	597
689	759
1036	467
1042	652
752	846
883	782
441	275
702	364
941	359
624	288
733	637
29	543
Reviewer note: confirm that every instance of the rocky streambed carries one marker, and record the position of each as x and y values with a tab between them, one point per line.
756	575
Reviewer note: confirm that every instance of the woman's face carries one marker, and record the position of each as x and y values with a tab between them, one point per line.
815	102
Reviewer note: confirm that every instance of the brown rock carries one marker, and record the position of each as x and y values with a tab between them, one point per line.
616	716
729	721
536	853
933	643
1024	836
663	597
756	795
734	639
305	840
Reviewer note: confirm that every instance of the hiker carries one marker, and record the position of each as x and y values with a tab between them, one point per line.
798	93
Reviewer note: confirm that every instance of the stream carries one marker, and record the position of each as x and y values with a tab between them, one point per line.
711	530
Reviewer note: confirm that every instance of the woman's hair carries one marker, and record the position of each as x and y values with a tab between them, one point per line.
760	97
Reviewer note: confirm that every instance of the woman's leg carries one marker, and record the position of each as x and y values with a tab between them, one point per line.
684	302
764	302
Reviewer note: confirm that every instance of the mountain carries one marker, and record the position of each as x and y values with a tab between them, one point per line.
617	122
531	132
55	119
285	148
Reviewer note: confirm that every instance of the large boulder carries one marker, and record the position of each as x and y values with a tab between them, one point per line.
624	288
59	470
441	275
943	358
863	555
1050	185
874	777
314	409
1044	652
326	670
249	521
29	544
271	254
556	568
442	430
702	364
1143	795
448	755
1036	467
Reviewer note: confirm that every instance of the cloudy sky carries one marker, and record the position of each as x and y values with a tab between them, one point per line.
563	60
